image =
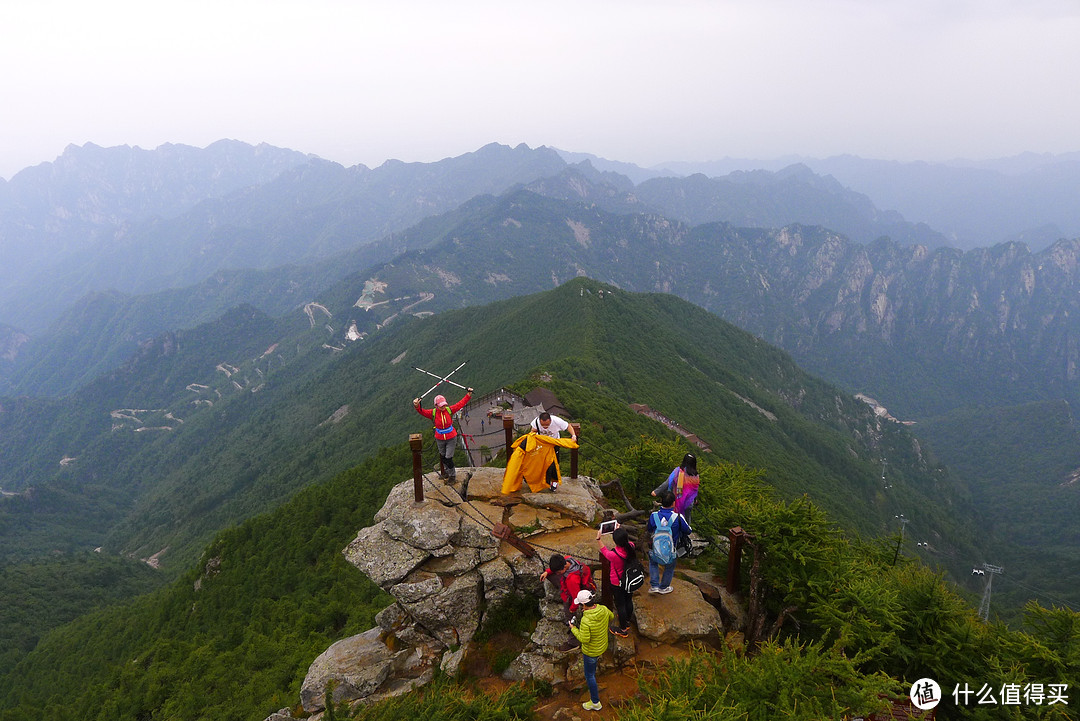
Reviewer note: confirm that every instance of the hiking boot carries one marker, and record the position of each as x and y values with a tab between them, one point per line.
590	706
620	632
666	589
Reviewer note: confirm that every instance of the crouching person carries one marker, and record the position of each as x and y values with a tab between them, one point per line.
592	631
571	578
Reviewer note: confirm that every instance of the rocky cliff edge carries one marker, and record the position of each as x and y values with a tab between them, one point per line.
446	570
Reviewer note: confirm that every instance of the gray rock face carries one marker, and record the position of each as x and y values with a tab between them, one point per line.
281	715
393	620
485	483
401	494
681	615
354	667
451	614
444	568
551	633
582	507
526	572
530	665
427	526
712	588
381	558
417	590
498	580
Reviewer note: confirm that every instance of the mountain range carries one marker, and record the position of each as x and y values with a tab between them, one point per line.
260	339
1030	197
926	331
283	432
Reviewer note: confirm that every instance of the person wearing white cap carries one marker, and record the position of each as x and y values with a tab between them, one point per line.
442	415
592	631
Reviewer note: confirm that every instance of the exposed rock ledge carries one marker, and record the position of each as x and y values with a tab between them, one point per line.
440	562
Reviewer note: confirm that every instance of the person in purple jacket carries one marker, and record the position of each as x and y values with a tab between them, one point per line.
683	482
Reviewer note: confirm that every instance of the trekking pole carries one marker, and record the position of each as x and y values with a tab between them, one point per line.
444	379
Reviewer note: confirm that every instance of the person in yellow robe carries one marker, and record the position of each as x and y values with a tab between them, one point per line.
532	455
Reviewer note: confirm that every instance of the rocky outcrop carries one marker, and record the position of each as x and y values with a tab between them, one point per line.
446	570
351	668
681	615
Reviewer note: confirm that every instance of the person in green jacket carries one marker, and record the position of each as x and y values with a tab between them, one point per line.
592	631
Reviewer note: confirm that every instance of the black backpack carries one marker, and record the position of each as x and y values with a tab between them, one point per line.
633	575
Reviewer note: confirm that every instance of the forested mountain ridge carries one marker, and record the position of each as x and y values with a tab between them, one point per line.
58	213
1024	464
238	629
210	425
107	223
923	330
303	210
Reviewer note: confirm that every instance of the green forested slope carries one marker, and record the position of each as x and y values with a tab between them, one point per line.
233	637
249	450
1021	464
35	597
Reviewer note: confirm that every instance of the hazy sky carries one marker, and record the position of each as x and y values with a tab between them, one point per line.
360	82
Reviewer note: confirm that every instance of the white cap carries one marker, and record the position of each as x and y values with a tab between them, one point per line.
584	597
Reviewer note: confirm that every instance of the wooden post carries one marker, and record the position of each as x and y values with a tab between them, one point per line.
505	533
606	596
574	451
508	431
416	443
736	538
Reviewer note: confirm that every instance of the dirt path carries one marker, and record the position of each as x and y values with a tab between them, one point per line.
618	688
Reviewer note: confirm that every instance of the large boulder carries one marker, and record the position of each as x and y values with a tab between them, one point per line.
581	507
531	666
459	560
403	493
577	541
551	633
280	715
451	614
485	483
498	581
354	667
427	525
527	570
681	615
713	589
528	521
381	557
395	622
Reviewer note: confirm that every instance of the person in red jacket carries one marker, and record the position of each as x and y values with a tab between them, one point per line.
442	415
570	577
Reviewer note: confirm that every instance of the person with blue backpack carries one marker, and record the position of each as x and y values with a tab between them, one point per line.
666	527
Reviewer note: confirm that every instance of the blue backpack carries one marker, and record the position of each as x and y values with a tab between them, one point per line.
663	543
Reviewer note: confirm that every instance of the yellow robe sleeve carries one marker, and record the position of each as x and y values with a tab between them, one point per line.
512	476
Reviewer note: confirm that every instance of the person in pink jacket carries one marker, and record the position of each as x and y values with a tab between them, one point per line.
617	557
